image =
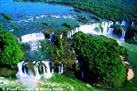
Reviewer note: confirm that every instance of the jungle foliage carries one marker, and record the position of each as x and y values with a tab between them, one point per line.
100	61
10	49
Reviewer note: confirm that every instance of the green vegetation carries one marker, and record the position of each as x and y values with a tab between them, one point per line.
132	52
45	23
59	82
10	53
82	19
100	57
107	9
14	27
67	25
10	50
7	22
73	84
6	16
60	51
8	72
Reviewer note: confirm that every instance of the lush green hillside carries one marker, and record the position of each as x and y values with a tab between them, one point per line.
108	9
99	58
132	57
56	83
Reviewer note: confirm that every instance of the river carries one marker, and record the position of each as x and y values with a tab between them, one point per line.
28	16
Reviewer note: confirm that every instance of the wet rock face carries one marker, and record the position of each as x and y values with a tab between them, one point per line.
118	32
131	35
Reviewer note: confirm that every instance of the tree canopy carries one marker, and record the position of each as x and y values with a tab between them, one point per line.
99	57
10	50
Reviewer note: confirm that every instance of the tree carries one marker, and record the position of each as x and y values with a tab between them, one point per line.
82	19
10	50
6	16
99	58
60	52
67	25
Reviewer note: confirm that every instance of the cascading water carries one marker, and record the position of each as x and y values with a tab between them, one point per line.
102	28
25	72
20	72
123	23
110	33
133	24
61	69
25	78
32	39
28	78
47	71
122	38
36	71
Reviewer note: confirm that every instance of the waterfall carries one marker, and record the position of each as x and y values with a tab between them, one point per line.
32	39
61	36
47	71
36	71
28	78
105	26
133	24
122	38
44	70
61	69
52	36
25	72
20	71
101	28
82	74
110	33
123	23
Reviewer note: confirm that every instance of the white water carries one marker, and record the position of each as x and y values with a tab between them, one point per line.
20	72
28	78
32	39
31	18
133	24
102	28
51	36
47	71
61	69
122	38
123	23
36	70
